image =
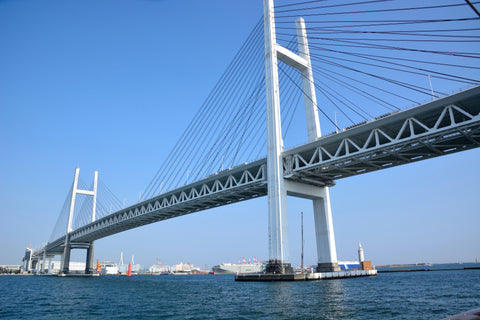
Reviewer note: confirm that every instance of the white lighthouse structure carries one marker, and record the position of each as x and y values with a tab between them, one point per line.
361	257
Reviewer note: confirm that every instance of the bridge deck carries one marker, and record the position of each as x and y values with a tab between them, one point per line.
437	128
443	126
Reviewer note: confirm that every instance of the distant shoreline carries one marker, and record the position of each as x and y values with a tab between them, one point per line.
420	270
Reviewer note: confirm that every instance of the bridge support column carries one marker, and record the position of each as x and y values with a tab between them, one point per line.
44	261
322	213
326	249
38	266
65	262
27	260
277	185
49	265
89	268
277	195
30	262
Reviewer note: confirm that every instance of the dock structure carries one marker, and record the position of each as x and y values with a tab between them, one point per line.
305	276
77	275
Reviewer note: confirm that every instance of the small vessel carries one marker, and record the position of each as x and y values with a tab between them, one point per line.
182	272
109	268
160	269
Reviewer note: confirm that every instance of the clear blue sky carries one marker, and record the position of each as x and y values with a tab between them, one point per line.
111	85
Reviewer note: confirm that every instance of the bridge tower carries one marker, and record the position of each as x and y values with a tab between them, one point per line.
278	187
65	261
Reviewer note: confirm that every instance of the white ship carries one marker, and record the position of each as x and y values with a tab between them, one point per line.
231	268
109	268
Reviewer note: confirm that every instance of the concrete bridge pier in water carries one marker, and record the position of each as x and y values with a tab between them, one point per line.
278	187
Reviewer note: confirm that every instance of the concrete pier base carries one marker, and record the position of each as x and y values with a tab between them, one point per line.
340	274
328	267
78	275
270	277
278	267
306	276
89	268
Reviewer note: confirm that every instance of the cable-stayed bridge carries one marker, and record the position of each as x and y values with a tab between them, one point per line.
443	126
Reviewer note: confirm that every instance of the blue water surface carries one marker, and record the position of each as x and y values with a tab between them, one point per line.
409	295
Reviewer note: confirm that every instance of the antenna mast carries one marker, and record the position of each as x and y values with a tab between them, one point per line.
302	242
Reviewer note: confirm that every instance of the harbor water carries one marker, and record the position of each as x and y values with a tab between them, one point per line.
397	295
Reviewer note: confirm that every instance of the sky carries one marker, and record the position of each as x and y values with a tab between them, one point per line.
111	85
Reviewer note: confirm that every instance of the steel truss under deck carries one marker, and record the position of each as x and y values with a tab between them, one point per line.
437	128
443	126
237	184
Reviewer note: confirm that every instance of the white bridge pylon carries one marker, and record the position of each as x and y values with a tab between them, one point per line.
65	260
278	187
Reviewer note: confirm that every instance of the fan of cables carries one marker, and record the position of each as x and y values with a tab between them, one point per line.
378	56
106	203
229	128
369	58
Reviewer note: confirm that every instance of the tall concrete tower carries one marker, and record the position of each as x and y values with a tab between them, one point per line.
278	187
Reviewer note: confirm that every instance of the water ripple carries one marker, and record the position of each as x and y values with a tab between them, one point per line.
420	295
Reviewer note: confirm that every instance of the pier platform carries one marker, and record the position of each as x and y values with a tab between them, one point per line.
77	275
306	276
